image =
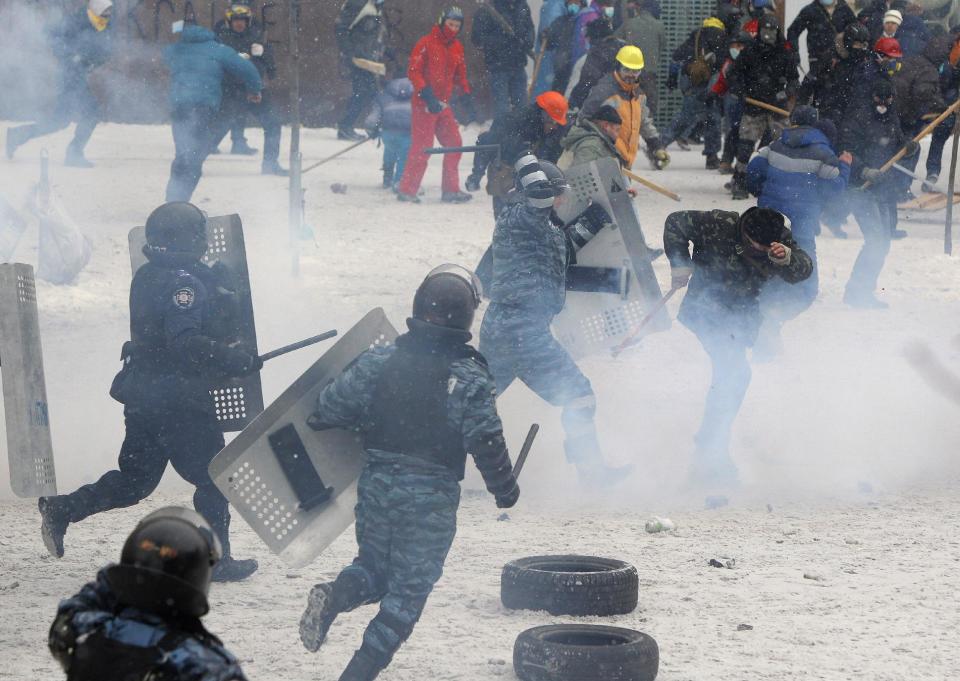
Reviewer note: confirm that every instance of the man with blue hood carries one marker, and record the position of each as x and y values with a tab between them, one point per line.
198	66
796	176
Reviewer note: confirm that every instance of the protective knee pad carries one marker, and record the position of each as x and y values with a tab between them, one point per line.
400	626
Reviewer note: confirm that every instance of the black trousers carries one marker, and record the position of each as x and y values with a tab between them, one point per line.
233	114
188	440
193	130
364	86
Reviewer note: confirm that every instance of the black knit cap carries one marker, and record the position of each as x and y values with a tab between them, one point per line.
608	114
763	225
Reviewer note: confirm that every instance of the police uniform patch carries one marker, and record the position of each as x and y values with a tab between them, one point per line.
183	298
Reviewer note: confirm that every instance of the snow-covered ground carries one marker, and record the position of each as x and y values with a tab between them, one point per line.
848	457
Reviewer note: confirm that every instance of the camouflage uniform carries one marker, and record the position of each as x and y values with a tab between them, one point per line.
408	500
721	307
97	638
530	258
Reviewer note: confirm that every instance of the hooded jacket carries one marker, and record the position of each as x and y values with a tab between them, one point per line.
501	48
821	27
848	83
392	110
437	62
796	175
198	65
763	71
918	82
631	104
586	142
873	138
359	30
601	60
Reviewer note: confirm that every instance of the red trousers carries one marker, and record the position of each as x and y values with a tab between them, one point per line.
424	126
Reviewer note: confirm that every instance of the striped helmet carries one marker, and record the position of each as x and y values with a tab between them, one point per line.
540	182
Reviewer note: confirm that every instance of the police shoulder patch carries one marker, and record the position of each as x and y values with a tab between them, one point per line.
183	297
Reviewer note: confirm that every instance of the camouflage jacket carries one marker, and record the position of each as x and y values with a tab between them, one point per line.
530	260
471	411
726	281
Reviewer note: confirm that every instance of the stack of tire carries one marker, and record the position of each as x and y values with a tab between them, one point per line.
578	586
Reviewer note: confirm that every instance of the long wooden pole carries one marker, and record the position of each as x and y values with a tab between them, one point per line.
536	69
769	107
336	155
948	226
651	185
295	207
920	135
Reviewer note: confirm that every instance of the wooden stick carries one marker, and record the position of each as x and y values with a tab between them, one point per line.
536	69
336	155
769	107
651	185
948	225
920	135
631	337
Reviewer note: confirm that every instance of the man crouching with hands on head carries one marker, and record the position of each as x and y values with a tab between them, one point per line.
421	405
733	257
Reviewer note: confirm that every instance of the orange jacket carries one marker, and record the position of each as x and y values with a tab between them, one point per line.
437	62
631	104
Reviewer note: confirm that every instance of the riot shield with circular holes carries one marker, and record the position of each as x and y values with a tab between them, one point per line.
29	447
237	401
297	487
613	286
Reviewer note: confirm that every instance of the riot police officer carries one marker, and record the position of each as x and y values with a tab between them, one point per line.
141	619
421	404
182	334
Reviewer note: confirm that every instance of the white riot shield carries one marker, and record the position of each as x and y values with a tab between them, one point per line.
297	487
237	401
597	321
29	448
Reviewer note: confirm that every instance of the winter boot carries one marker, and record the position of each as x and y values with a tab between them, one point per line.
273	168
738	187
456	197
230	569
325	602
712	162
929	185
53	526
15	138
363	666
683	143
387	178
864	301
76	159
407	198
241	148
725	168
349	135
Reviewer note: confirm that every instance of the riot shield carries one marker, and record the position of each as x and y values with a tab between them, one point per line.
236	401
29	448
294	486
595	318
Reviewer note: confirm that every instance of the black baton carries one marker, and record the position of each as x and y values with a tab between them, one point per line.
459	150
525	450
299	344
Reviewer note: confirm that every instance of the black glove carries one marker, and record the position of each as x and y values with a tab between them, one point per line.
256	364
509	499
434	105
473	182
912	147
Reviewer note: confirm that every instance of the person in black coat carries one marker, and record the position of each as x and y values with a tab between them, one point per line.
183	334
850	79
359	31
559	42
240	31
503	31
822	20
766	71
601	60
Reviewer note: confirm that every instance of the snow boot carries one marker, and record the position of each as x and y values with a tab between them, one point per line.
319	615
364	666
273	168
929	185
349	135
76	159
230	569
53	526
241	148
725	168
712	162
683	143
407	198
864	301
738	186
456	197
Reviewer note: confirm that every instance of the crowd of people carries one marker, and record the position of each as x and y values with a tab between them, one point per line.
425	402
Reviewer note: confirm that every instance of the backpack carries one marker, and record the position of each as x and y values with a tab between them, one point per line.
698	69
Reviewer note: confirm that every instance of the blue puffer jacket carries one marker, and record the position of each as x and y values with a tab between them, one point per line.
392	110
796	175
198	65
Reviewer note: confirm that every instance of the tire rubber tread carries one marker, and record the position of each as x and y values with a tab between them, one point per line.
613	589
537	659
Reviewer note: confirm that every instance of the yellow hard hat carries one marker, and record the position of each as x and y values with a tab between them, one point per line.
631	57
713	22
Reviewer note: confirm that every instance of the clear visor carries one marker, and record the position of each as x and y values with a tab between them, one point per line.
463	273
195	519
630	73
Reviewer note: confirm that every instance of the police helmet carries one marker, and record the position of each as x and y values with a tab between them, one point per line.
449	296
855	33
177	228
763	225
166	564
540	182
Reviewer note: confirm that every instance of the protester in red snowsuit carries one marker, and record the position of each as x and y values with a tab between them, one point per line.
436	66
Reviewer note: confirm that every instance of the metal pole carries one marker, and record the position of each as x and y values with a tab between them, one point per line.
948	227
296	198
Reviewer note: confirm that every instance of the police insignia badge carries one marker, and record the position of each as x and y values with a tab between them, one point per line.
183	298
